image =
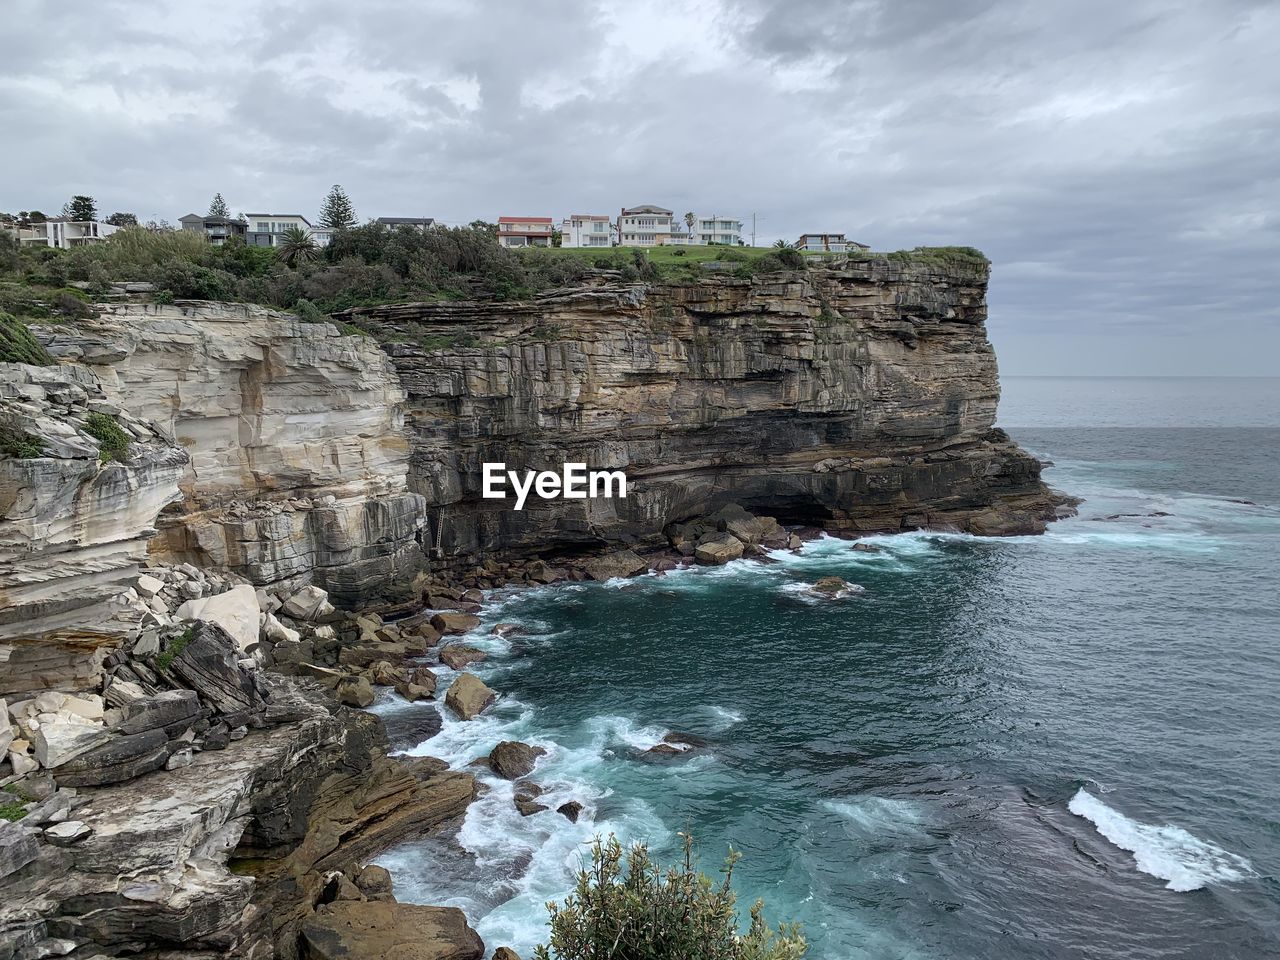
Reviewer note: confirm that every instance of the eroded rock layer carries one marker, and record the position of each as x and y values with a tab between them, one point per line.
297	453
858	399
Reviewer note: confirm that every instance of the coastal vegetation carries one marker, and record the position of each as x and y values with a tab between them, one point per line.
366	265
625	906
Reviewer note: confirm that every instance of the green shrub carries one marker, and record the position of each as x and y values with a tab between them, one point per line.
113	442
641	912
19	444
17	345
173	648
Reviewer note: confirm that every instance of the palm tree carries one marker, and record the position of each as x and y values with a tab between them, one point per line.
296	246
689	219
781	245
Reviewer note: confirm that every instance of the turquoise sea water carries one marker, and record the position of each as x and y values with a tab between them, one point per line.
1058	746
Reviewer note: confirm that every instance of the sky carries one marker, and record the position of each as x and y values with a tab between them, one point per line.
1118	161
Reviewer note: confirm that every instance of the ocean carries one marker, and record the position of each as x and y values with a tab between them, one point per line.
1059	746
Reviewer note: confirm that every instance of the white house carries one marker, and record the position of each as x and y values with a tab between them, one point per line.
525	231
265	229
828	243
644	226
716	229
64	233
586	230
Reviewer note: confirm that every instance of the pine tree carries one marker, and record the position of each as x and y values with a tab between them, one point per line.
80	207
218	207
337	211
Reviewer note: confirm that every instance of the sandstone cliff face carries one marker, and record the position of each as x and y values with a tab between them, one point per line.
297	454
858	399
73	527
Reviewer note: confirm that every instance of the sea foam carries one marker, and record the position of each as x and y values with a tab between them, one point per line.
1169	852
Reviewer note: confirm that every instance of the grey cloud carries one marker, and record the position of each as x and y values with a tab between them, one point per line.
1116	160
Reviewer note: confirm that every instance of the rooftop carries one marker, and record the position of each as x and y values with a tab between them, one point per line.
524	219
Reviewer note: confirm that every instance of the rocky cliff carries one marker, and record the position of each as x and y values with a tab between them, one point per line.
858	398
297	453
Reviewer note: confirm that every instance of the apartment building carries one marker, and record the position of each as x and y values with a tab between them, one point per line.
644	226
218	229
63	233
265	229
525	231
586	230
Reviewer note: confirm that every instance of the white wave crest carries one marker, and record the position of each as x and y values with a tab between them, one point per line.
1169	852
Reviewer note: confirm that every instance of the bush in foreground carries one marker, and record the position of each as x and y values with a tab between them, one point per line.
638	911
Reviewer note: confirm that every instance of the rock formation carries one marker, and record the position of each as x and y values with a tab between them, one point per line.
298	457
857	399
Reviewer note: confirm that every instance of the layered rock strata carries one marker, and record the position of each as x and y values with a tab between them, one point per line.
297	454
75	521
858	399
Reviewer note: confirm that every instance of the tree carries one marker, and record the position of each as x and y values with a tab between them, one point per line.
780	244
296	247
337	211
27	217
639	911
690	220
557	237
218	207
122	220
80	207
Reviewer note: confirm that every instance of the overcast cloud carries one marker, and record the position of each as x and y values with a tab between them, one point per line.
1118	161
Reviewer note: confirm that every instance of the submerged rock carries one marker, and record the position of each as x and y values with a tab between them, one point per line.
454	623
460	657
835	588
512	759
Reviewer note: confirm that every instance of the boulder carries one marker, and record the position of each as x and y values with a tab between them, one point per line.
57	739
148	586
448	623
526	800
512	759
384	674
375	882
276	632
460	657
367	654
170	710
718	549
506	629
236	611
206	661
570	811
67	833
354	691
310	603
505	953
620	563
384	930
121	758
468	697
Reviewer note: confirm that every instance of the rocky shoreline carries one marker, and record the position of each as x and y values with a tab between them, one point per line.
220	791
